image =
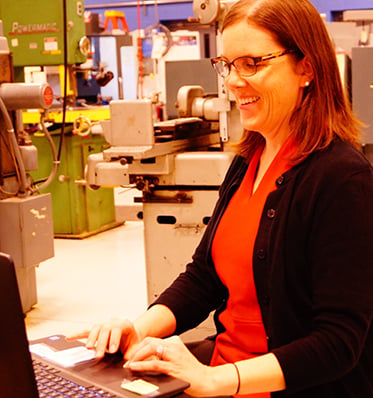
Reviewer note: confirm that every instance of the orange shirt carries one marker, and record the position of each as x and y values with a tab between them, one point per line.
232	253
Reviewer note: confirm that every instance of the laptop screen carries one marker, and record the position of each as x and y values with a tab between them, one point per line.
16	371
17	377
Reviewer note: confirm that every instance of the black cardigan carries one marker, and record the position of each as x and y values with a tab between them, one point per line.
313	270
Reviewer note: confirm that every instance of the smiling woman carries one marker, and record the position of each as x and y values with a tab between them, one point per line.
267	98
324	107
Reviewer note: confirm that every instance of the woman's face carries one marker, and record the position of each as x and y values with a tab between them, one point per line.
267	99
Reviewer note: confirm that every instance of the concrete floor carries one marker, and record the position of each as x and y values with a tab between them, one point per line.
89	281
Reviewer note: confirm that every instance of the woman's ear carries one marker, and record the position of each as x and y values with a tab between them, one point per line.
304	68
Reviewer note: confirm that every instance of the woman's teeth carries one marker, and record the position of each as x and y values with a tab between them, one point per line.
249	100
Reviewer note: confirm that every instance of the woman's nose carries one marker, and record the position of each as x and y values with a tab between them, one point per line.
234	78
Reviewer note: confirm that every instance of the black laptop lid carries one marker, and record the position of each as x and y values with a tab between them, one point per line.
16	371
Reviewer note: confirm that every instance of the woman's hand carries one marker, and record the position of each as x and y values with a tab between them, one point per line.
171	356
124	335
117	334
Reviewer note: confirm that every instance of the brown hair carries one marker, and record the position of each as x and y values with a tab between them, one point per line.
325	111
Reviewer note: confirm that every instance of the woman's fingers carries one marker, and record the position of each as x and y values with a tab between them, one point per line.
145	349
99	339
108	337
81	335
158	354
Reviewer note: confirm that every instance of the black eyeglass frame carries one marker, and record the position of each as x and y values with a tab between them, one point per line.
256	61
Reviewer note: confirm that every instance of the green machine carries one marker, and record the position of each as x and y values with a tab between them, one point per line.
35	31
38	31
78	210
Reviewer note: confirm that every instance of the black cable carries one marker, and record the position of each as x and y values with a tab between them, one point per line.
64	104
18	159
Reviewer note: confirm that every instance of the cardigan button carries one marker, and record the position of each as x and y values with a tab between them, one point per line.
266	300
271	213
261	254
280	180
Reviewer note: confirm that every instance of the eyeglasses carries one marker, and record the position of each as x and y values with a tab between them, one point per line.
246	66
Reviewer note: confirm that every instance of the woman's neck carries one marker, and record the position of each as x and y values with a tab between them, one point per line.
270	150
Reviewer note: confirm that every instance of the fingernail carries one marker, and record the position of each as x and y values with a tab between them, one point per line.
99	354
126	364
134	365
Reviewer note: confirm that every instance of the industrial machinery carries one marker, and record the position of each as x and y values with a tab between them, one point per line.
41	160
353	41
48	44
44	33
177	166
26	227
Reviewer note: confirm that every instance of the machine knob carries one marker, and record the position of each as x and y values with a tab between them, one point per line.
85	46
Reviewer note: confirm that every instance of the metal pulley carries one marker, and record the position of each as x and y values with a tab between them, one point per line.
206	11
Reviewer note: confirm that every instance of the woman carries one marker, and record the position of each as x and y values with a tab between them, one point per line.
287	257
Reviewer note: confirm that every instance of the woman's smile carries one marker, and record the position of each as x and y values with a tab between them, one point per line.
244	101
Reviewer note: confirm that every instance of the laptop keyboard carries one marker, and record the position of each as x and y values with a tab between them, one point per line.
51	384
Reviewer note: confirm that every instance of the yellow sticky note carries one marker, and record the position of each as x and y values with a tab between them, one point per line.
139	386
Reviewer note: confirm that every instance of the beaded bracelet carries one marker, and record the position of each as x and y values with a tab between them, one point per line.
238	377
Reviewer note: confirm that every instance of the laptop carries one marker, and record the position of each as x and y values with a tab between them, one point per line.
24	365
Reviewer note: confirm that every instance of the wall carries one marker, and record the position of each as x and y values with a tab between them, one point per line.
180	10
327	6
184	9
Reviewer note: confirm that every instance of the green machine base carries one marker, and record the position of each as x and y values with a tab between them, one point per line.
78	210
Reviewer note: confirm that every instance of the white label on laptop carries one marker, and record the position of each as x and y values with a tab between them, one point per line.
66	358
139	386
